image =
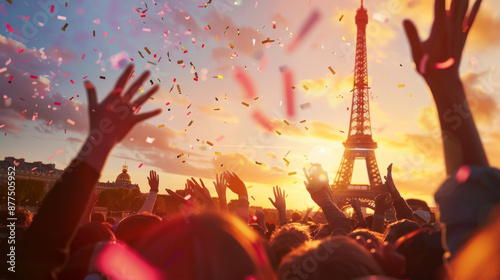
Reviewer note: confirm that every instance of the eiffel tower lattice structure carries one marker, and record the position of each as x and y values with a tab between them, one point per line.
359	143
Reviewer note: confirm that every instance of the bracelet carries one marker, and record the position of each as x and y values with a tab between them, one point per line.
379	216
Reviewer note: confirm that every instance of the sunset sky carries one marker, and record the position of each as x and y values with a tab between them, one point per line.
39	122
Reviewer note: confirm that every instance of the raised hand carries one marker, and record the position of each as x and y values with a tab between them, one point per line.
317	183
389	183
115	116
220	185
154	181
383	202
442	51
235	184
200	192
279	199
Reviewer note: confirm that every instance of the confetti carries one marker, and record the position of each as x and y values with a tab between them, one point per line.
102	77
178	156
423	63
309	24
341	17
292	173
262	120
58	152
445	64
463	174
246	104
140	165
220	77
245	82
220	138
9	28
287	162
279	133
305	87
64	27
274	25
33	77
303	121
210	143
180	61
231	45
71	122
331	70
401	85
190	123
218	153
305	106
287	123
287	76
161	125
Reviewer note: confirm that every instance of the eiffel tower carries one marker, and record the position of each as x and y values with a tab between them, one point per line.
359	144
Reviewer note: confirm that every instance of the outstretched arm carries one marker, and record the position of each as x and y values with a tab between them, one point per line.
236	185
44	250
356	206
438	59
403	211
154	182
280	204
317	185
220	186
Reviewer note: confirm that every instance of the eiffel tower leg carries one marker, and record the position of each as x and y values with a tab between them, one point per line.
373	172
344	174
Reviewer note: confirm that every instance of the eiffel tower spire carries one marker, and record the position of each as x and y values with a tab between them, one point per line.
359	143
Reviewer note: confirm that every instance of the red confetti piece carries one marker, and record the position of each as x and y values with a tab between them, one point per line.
202	45
52	9
57	103
311	21
9	28
50	158
463	174
73	82
445	64
58	152
138	109
289	97
262	120
83	55
245	82
140	165
65	74
33	77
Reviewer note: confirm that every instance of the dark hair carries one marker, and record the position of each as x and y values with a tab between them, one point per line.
367	234
111	220
133	228
423	252
296	217
335	258
97	217
399	228
89	234
418	204
288	238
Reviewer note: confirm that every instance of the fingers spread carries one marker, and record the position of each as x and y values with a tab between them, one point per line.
122	81
135	87
414	40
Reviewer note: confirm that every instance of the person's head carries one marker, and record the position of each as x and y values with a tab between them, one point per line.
296	217
90	233
133	228
97	217
367	234
287	238
418	204
333	258
398	229
207	246
111	220
323	231
423	252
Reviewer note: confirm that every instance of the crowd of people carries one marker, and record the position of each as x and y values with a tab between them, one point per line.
206	241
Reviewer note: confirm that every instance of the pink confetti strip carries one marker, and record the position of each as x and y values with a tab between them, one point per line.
50	158
140	165
246	83
71	122
57	103
259	117
220	138
311	21
9	28
423	63
52	9
120	262
289	96
463	174
59	151
83	56
33	77
445	64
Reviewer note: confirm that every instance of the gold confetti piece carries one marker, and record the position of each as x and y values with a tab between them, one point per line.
287	153
401	85
231	45
286	196
287	123
171	89
161	125
218	153
303	121
287	162
331	70
279	133
220	77
246	104
140	54
249	186
151	62
64	27
180	61
259	163
343	38
180	155
147	50
410	95
292	173
210	143
306	128
190	123
216	38
341	17
256	98
209	26
179	88
305	87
